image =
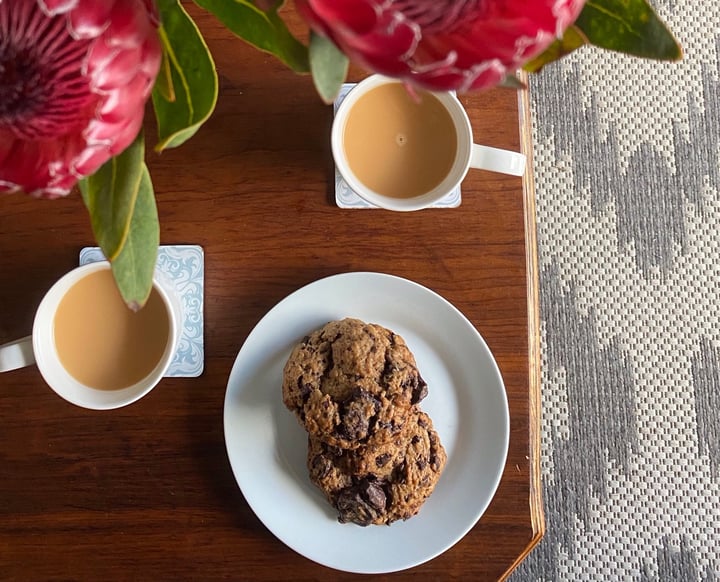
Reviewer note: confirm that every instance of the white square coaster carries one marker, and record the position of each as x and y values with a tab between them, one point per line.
184	268
345	197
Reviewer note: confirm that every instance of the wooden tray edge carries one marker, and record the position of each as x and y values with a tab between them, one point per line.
533	306
537	513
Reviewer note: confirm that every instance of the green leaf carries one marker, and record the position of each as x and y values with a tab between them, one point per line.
512	82
110	195
264	30
121	203
628	26
134	267
329	67
571	40
164	81
186	92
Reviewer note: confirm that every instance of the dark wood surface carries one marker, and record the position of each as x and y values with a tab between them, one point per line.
146	492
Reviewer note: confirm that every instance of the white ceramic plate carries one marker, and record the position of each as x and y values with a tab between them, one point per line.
467	402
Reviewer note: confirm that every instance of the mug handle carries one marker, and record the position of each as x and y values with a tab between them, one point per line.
497	160
16	354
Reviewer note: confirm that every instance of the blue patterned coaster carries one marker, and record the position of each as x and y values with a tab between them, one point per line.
345	197
184	267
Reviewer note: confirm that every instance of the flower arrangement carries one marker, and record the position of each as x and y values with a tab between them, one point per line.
75	76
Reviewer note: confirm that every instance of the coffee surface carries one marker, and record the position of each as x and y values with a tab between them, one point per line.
399	145
101	342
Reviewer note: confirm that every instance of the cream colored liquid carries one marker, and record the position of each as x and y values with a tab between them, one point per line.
101	342
398	146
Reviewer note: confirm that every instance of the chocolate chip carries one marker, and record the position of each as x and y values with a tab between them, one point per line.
415	440
374	493
355	424
358	415
399	474
421	464
388	369
321	466
434	463
304	387
382	460
329	363
419	389
361	503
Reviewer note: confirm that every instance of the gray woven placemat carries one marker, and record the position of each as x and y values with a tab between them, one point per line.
627	171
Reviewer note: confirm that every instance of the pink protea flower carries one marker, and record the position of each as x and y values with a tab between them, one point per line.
74	79
442	44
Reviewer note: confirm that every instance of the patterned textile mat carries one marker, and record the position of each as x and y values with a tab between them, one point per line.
627	172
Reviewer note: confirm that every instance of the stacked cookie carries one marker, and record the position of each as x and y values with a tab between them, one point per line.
356	389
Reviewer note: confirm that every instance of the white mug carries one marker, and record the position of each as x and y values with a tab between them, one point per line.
40	347
469	154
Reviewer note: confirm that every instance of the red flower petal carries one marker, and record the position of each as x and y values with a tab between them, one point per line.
120	104
355	17
90	159
441	44
129	26
120	69
91	17
54	7
78	96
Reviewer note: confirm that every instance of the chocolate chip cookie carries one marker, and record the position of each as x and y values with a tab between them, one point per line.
352	383
384	483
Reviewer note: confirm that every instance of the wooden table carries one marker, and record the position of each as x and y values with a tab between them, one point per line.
146	492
